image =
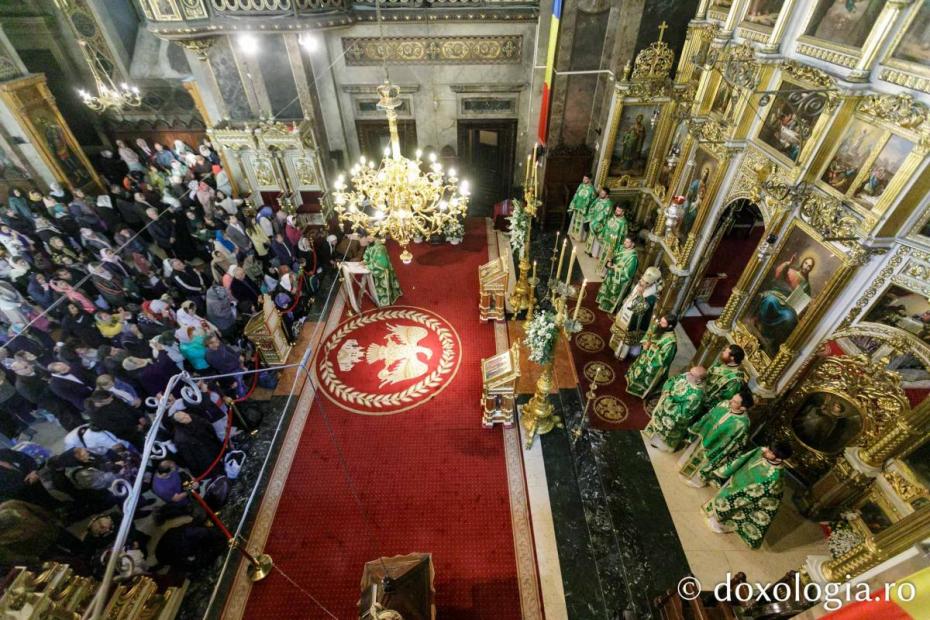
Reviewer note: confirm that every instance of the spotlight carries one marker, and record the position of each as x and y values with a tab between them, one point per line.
309	42
248	43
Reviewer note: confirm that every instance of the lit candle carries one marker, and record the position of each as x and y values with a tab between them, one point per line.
571	265
558	270
526	177
584	283
534	273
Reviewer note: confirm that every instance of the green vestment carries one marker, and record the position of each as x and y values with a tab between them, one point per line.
581	202
598	213
651	367
618	279
680	400
387	288
717	436
611	237
749	500
723	382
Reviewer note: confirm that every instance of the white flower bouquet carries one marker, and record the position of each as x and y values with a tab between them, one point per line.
540	338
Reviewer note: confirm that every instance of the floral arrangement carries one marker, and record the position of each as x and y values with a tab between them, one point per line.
843	537
454	229
519	222
540	337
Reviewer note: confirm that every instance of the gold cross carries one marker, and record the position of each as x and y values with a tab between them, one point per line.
662	28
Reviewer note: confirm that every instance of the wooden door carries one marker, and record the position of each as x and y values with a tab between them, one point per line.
486	152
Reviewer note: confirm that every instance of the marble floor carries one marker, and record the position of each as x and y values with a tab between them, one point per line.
710	555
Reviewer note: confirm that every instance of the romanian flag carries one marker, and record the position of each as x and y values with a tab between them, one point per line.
901	603
550	69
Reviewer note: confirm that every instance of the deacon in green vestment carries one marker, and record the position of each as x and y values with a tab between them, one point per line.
611	236
376	259
749	500
716	437
681	399
620	271
724	378
649	370
598	213
581	202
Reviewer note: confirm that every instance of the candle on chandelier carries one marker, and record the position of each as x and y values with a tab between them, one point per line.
584	283
558	270
571	265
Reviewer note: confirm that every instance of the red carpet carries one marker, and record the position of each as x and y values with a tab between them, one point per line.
731	257
613	408
430	478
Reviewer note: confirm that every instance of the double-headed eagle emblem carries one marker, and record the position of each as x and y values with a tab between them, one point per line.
400	353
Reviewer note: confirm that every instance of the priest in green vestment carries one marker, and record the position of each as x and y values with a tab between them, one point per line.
598	213
376	259
620	271
681	399
749	499
717	436
583	199
649	370
724	377
611	235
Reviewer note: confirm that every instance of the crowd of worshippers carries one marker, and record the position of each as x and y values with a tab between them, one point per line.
102	300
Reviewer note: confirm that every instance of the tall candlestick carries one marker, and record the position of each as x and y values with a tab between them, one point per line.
558	270
527	177
534	274
571	265
584	283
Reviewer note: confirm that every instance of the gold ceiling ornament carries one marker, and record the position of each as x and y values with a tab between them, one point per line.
829	216
397	199
900	109
814	76
877	285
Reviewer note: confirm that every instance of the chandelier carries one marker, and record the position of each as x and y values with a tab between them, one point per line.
400	198
109	95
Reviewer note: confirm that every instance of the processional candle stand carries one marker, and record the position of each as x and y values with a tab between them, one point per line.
524	289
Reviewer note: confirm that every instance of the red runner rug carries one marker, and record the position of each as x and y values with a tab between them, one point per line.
429	477
612	408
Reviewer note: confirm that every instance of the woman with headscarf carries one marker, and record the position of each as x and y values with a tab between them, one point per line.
156	179
74	295
19	273
80	325
292	231
191	342
220	264
221	310
178	169
45	230
59	193
16	244
17	201
59	214
94	242
129	156
221	179
13	307
265	219
147	153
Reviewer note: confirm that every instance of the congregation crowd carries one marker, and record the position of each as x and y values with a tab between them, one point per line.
103	298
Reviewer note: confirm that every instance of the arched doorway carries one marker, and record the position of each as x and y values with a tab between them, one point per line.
735	237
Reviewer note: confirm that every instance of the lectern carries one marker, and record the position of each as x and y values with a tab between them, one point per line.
492	284
266	332
499	380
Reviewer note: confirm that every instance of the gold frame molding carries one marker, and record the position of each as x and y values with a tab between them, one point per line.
902	72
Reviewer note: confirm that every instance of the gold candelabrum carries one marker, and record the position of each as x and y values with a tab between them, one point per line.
524	289
537	416
397	199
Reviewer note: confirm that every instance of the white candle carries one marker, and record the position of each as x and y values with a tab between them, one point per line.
571	265
558	270
584	283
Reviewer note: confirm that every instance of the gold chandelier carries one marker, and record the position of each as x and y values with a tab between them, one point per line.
397	199
109	95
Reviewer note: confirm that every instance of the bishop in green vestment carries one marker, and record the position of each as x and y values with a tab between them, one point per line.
376	259
611	236
598	213
748	501
581	202
649	370
681	399
724	377
619	277
716	437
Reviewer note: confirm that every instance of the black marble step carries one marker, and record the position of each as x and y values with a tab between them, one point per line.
617	545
